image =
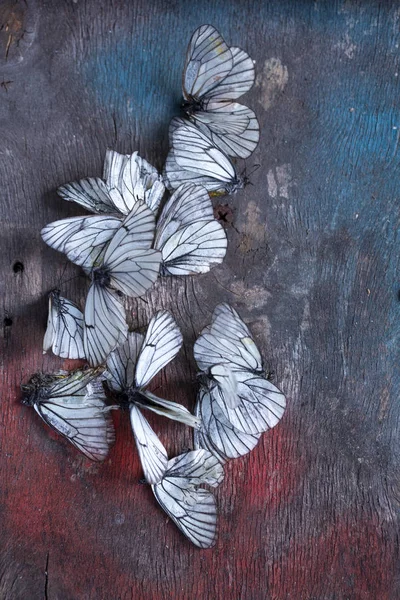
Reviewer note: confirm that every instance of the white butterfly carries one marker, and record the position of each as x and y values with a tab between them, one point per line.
130	369
75	406
117	256
192	508
236	401
193	158
64	333
127	179
189	238
214	76
127	265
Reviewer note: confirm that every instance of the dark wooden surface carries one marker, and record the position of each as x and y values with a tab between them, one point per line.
313	512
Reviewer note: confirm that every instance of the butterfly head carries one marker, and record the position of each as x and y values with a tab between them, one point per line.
101	276
31	393
191	106
128	397
134	395
236	184
205	379
123	400
54	294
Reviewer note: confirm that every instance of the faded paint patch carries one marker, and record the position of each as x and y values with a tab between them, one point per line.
254	221
272	81
280	181
261	328
253	234
255	296
347	46
83	467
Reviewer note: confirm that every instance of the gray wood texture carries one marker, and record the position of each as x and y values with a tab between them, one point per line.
312	266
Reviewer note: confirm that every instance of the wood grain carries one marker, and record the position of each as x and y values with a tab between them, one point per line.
312	265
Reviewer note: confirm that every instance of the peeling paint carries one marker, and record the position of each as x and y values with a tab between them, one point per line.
347	46
255	296
280	181
272	81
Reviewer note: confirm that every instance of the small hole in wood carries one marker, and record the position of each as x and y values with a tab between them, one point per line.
7	322
18	267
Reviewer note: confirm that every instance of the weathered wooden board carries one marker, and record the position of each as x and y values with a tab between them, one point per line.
313	512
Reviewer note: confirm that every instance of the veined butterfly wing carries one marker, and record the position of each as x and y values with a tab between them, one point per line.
87	246
192	508
162	343
121	363
91	193
195	248
129	260
105	325
75	406
64	333
239	80
153	456
231	127
168	409
217	434
208	61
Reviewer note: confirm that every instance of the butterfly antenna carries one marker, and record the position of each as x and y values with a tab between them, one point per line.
72	278
247	174
254	169
62	274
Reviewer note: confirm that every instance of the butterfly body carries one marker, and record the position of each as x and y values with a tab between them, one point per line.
32	395
192	105
101	276
236	184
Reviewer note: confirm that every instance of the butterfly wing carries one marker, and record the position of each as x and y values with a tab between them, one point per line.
114	165
227	340
231	127
77	409
194	152
50	333
152	453
162	343
64	333
70	384
87	246
104	324
170	410
91	193
218	435
239	80
260	406
192	509
208	61
195	248
121	363
210	350
175	176
132	178
57	233
132	265
141	181
188	204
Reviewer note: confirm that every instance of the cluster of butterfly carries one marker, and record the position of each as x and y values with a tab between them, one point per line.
123	248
